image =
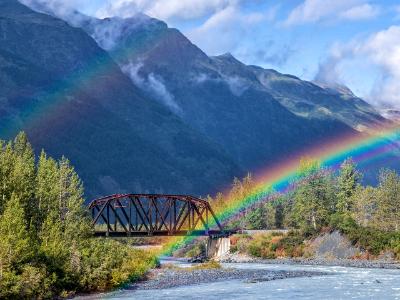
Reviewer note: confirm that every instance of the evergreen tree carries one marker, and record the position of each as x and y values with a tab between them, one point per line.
47	184
23	175
73	212
348	182
314	200
270	215
6	168
279	214
388	208
256	218
16	245
365	205
53	243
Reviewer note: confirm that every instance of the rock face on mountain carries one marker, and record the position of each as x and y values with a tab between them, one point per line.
150	46
137	107
57	84
240	107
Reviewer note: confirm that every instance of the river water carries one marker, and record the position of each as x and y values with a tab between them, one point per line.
341	283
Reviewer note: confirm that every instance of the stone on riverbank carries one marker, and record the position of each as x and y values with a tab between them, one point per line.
168	278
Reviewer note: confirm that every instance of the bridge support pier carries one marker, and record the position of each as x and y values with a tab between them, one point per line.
217	247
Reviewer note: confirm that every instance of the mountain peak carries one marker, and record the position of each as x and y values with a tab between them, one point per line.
336	88
228	58
227	55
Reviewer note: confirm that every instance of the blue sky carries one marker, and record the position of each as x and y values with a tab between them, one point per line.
351	42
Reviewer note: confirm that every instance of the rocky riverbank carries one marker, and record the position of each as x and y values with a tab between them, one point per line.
354	263
167	278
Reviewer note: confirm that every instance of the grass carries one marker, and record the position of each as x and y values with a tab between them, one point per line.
209	265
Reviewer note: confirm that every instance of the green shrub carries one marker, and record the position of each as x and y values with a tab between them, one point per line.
234	249
212	264
373	240
262	246
47	249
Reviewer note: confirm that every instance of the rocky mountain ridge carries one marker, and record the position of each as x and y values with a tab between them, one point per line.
137	107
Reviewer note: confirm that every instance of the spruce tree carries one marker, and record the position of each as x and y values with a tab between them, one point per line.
365	202
16	245
23	175
73	212
7	159
388	208
47	186
348	182
314	200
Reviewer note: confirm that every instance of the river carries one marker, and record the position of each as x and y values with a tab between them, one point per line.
340	283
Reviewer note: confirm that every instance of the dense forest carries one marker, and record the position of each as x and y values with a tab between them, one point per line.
46	249
322	200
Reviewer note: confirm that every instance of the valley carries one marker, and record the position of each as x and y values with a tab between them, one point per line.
199	149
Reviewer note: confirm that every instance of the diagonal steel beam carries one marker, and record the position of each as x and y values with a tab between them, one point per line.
125	214
184	218
164	215
139	214
118	218
181	211
104	219
100	213
200	217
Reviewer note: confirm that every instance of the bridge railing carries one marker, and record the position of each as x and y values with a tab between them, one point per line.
153	215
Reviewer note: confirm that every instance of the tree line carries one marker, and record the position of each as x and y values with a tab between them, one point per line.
46	244
320	199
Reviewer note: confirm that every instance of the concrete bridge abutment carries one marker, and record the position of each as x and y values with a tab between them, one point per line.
217	247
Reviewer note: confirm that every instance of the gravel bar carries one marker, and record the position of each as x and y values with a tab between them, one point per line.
168	278
351	263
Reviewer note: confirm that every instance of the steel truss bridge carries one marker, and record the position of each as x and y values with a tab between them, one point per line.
139	215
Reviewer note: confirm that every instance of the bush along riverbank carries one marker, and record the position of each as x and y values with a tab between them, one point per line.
320	204
46	244
330	248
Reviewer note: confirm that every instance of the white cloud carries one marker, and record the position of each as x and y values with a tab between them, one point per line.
162	9
364	11
224	23
66	10
236	84
384	50
224	30
380	50
322	10
153	84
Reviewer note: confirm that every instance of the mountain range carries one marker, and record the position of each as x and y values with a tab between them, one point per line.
137	107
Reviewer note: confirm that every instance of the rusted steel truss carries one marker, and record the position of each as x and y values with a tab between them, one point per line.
153	215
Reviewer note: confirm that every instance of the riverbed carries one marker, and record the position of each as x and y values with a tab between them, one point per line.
335	283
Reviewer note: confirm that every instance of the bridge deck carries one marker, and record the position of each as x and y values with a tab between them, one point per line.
120	234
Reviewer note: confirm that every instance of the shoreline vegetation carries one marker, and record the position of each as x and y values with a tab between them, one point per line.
327	214
328	262
46	246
